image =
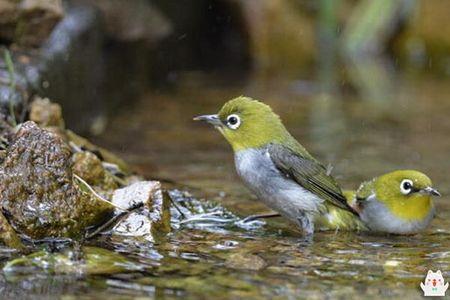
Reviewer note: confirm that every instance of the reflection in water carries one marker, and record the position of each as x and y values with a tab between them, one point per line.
211	255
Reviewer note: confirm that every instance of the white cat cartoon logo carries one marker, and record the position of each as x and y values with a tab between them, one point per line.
434	284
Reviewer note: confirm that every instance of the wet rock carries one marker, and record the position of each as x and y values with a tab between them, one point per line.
90	168
8	235
6	132
45	113
135	225
134	194
37	192
245	261
49	116
160	212
46	190
154	217
29	22
37	20
104	154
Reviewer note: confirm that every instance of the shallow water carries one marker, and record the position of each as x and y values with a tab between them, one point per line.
217	256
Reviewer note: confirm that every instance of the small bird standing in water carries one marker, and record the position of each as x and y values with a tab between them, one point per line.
398	202
274	165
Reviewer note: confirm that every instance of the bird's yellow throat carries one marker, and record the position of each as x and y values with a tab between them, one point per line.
414	208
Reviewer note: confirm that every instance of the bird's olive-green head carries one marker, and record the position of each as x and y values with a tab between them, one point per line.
407	193
248	123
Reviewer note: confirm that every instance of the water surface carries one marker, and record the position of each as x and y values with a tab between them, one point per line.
221	258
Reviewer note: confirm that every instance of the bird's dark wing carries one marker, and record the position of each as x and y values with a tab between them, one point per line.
308	173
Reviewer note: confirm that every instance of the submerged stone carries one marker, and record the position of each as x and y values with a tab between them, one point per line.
245	261
88	261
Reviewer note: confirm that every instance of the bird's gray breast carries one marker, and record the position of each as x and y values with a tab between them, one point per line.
276	190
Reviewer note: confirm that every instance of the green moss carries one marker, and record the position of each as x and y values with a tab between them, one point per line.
92	261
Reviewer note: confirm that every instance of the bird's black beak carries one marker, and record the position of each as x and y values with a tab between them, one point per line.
431	191
211	119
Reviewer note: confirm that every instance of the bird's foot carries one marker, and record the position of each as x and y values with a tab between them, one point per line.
260	216
306	223
306	240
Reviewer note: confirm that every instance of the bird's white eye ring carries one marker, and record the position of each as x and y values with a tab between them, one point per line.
406	186
233	121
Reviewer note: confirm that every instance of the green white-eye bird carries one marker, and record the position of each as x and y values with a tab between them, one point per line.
399	202
275	166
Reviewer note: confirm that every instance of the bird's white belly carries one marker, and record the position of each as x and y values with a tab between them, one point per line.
277	191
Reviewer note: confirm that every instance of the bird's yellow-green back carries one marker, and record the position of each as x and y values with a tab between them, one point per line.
340	219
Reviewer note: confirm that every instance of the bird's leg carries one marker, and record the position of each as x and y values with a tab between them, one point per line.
306	223
329	169
261	216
